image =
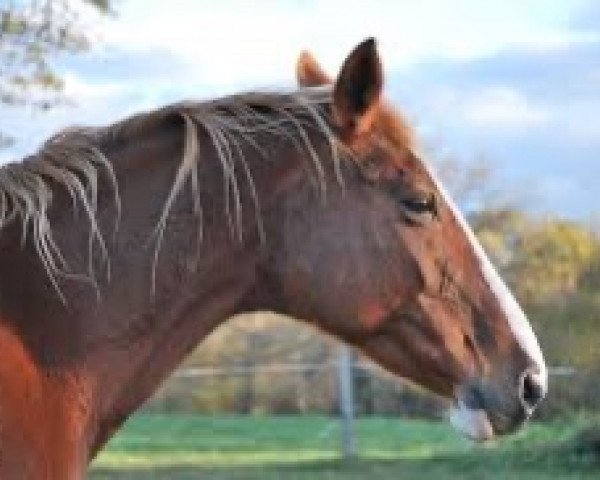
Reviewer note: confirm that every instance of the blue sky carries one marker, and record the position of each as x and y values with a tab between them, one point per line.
513	83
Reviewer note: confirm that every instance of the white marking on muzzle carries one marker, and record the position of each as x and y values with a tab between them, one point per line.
473	424
516	318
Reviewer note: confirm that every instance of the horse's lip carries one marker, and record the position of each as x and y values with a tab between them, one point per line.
470	414
473	417
475	424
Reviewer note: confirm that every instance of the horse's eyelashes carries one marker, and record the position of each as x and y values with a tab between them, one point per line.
419	207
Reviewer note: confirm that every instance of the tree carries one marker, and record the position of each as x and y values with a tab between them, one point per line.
553	257
32	34
499	231
470	182
553	266
541	259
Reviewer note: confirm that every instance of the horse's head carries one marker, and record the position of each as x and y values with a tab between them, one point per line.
389	264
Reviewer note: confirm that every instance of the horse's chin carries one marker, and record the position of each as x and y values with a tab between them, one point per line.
473	424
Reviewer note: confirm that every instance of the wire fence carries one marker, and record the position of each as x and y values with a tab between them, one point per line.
300	373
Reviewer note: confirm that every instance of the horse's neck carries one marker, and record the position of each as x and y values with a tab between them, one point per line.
150	314
124	343
168	307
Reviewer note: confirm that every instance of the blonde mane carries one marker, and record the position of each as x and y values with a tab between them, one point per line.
76	158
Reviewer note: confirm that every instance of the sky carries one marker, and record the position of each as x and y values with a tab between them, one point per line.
511	84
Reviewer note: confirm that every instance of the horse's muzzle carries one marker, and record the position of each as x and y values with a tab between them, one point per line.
483	411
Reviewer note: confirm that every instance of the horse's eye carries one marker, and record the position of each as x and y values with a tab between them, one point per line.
420	207
424	204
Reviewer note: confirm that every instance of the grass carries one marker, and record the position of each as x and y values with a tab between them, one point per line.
178	447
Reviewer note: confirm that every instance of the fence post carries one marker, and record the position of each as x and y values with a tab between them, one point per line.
346	402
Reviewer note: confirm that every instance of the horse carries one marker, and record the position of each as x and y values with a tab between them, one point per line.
122	247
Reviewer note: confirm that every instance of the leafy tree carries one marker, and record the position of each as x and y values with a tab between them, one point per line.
32	33
500	232
554	267
553	258
590	280
540	259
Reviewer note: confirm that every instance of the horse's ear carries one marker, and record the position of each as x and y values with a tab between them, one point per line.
357	90
309	73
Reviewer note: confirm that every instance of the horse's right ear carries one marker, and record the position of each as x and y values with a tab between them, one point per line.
357	90
309	73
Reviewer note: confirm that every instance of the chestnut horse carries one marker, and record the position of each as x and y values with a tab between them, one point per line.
123	247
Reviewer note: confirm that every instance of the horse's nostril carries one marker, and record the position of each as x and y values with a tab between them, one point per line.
532	391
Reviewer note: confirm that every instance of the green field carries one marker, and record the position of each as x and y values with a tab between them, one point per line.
300	448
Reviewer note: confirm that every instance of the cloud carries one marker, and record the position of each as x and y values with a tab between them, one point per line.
489	106
234	42
517	84
499	106
553	92
81	88
587	16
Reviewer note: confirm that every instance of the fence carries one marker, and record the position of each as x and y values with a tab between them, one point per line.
187	389
260	380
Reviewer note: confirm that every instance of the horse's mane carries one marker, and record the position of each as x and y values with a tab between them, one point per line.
76	158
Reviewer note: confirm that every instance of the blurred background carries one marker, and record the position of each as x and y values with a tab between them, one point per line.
505	97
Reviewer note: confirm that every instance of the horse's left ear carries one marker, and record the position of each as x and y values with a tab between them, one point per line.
309	73
357	90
